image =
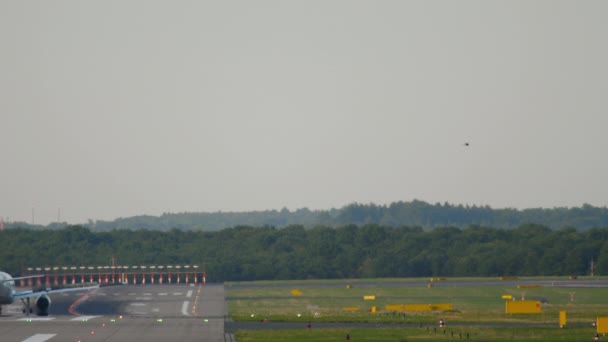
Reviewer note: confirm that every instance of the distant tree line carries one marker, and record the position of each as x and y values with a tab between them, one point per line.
322	252
414	214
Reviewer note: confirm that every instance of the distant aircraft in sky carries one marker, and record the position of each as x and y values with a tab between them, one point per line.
42	302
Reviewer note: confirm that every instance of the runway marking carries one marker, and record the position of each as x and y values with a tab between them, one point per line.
80	300
185	308
198	293
39	338
163	294
189	294
138	304
143	298
131	293
147	294
155	310
178	293
83	318
28	319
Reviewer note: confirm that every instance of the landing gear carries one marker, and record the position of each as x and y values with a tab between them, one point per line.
27	309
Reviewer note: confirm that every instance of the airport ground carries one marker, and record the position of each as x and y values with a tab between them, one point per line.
191	312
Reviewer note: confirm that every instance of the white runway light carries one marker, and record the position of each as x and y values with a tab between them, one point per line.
31	319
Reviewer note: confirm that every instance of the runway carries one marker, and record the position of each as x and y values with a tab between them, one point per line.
124	313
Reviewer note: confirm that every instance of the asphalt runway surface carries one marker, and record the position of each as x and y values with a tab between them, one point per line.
124	313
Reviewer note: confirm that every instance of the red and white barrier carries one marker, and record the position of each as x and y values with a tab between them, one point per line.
106	274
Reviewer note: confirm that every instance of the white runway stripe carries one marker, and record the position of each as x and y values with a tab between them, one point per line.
36	319
189	294
83	318
39	338
185	308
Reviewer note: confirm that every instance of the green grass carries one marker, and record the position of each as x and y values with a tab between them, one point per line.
479	304
471	304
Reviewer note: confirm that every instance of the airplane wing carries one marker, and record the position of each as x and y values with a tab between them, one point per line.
49	290
18	278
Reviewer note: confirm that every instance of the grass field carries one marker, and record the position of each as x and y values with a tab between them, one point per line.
325	301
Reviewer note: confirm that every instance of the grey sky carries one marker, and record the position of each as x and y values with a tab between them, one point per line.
120	108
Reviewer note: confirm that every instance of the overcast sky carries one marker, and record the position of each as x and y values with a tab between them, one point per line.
119	108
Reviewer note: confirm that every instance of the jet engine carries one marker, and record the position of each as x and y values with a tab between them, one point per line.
43	303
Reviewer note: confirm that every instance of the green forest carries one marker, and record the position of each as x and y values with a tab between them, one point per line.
398	214
321	252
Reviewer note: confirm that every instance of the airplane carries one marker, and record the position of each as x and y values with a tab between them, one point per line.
39	295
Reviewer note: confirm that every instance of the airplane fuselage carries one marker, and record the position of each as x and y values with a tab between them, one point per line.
7	290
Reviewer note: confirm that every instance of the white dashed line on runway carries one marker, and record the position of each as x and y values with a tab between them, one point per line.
39	338
83	318
185	308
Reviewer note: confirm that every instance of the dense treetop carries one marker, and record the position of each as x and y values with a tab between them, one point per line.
414	213
296	252
403	239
